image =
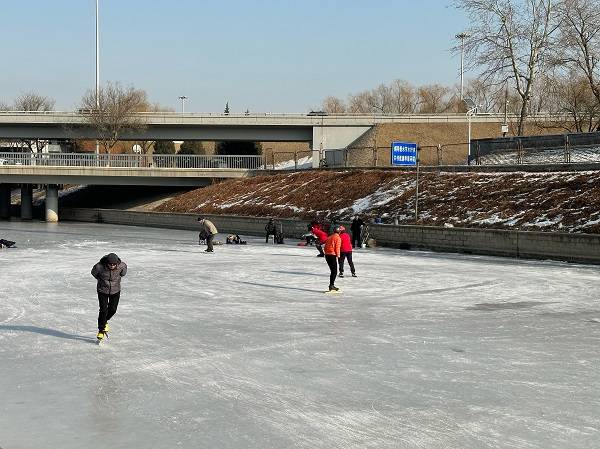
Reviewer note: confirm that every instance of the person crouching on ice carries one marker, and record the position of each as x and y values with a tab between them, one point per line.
108	272
320	239
333	246
210	230
346	252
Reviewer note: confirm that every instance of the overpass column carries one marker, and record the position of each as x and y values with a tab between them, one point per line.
5	201
52	203
26	201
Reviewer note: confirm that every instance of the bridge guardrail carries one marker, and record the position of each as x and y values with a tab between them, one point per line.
133	160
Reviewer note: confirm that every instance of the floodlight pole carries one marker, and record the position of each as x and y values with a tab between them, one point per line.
183	98
97	66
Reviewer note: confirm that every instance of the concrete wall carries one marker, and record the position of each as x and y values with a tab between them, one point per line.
583	248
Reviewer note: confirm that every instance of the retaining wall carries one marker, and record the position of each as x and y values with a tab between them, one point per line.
584	248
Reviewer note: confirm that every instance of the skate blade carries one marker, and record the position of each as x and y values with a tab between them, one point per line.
332	292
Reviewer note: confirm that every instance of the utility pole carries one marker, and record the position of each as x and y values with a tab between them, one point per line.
97	66
462	36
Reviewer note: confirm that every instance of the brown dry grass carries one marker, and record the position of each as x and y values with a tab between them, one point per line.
492	200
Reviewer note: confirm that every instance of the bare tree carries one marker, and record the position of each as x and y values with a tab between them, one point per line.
509	40
33	102
404	97
117	113
5	106
579	43
434	98
333	105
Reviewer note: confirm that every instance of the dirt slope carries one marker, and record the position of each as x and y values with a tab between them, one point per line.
569	202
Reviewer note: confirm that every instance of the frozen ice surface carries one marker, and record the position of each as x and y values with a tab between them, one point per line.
241	348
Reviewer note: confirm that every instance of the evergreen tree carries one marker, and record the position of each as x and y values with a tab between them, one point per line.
238	148
227	108
164	147
191	147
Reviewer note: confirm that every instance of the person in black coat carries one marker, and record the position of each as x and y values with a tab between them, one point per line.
356	228
270	229
108	272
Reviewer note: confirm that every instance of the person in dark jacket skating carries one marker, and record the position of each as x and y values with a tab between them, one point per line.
108	272
356	228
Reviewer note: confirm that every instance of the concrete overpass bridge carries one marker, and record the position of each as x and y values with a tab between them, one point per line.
54	169
322	132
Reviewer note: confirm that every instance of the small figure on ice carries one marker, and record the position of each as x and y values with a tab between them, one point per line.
346	252
108	272
332	253
209	230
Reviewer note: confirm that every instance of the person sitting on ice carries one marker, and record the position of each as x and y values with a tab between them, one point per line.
234	239
6	244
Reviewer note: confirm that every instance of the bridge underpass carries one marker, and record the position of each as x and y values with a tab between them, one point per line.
52	170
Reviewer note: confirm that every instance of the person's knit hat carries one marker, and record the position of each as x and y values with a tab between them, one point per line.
112	258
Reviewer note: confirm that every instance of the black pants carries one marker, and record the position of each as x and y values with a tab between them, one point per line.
209	245
332	262
356	243
348	256
319	246
108	307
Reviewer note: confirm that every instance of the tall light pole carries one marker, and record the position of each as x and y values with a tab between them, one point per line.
183	98
471	110
462	36
97	57
97	67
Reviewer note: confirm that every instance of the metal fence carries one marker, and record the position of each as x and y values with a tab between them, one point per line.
380	156
555	148
133	160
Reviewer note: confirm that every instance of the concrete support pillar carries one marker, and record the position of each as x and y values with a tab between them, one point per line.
5	201
52	203
26	201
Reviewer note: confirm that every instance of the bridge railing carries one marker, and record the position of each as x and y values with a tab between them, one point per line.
133	160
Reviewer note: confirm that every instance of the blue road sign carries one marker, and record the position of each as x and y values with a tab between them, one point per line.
404	153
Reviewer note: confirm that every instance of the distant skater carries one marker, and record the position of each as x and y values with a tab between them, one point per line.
108	272
356	228
210	230
270	229
346	252
332	253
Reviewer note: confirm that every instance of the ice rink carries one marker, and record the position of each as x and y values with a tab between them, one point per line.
241	348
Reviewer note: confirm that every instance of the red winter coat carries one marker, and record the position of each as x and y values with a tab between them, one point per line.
346	243
319	234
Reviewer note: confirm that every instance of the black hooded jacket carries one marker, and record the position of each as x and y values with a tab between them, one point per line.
109	281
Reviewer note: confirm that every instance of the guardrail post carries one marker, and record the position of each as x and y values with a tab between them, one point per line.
273	159
295	160
440	159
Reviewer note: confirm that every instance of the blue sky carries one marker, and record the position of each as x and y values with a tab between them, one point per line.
264	55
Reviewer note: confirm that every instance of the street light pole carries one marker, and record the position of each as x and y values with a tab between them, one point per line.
471	110
97	66
183	98
462	36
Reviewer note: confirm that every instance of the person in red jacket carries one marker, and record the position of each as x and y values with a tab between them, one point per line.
321	238
332	253
346	252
